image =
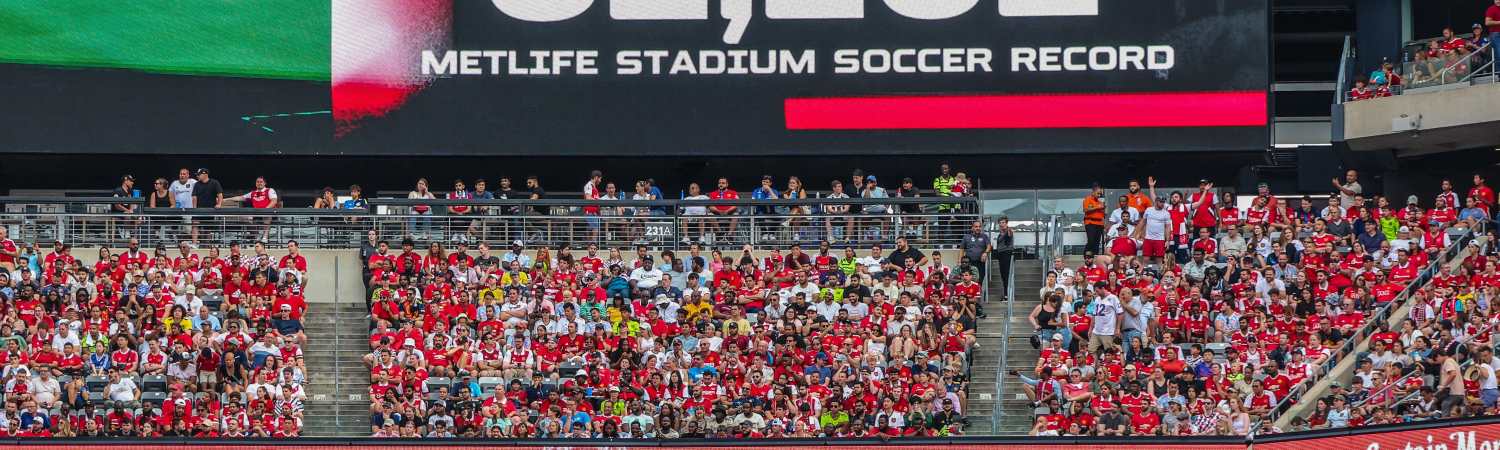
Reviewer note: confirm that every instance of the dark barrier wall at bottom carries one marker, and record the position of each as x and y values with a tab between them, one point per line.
431	444
1462	434
1458	436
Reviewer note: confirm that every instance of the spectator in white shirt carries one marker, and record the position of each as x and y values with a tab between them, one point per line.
121	389
1125	215
873	262
646	277
45	390
1232	245
65	336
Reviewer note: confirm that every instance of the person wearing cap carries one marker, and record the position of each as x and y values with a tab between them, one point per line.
871	189
516	255
1155	229
126	189
203	192
287	325
1203	208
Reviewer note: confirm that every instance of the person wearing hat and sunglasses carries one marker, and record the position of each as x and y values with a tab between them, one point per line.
126	189
206	193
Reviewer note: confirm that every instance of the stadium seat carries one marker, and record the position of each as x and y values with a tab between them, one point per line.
96	382
487	384
153	383
434	383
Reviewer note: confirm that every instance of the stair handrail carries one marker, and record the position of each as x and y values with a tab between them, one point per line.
1341	90
338	412
1364	332
1004	366
1465	61
1486	68
1414	373
1059	232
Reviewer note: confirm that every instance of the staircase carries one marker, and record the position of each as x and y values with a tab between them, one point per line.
1015	416
1015	410
985	361
338	382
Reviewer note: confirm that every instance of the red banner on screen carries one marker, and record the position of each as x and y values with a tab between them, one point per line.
1136	110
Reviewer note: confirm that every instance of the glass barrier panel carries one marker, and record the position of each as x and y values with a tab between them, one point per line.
1019	206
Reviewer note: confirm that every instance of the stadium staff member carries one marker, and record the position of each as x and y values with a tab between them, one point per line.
1093	218
977	247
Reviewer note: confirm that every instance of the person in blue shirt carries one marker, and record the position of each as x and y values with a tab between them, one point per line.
33	259
655	193
699	370
765	191
1472	213
356	199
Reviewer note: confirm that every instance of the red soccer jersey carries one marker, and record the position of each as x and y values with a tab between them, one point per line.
1229	216
1484	194
1208	245
298	262
724	194
1203	214
262	198
1144	423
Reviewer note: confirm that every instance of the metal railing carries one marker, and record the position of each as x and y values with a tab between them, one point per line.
1381	315
1413	373
1447	69
1346	66
1004	367
1029	209
338	382
929	222
1054	233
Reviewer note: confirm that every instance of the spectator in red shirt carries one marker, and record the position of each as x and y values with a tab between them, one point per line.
1483	194
730	212
1361	91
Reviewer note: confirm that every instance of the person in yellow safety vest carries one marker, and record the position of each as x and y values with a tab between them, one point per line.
943	184
849	264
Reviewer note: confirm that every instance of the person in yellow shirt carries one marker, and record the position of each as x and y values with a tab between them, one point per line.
701	309
492	293
178	317
736	322
515	277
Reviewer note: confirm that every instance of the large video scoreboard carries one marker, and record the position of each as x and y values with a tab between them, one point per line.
722	77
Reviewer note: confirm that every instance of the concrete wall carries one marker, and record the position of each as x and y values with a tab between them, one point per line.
1451	119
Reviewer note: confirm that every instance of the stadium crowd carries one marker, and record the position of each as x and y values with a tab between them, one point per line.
1444	59
1196	317
189	342
545	342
